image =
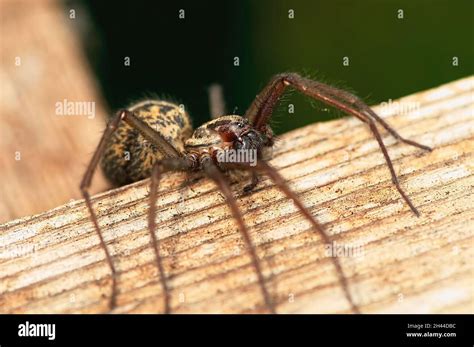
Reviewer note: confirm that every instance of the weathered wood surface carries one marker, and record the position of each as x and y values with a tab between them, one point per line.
52	262
43	153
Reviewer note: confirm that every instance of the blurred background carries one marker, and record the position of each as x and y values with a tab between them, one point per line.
112	54
394	48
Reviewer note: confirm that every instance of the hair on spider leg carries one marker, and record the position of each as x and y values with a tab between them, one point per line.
319	106
179	147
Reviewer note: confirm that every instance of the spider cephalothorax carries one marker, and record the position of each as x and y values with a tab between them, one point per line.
230	133
156	136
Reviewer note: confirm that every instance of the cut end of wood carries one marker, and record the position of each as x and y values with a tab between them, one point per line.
394	261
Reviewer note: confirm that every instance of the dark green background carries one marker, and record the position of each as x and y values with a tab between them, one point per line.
389	57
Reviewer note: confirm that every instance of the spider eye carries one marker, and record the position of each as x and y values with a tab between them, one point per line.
240	125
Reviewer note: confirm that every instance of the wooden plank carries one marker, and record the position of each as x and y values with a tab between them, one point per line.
397	262
43	151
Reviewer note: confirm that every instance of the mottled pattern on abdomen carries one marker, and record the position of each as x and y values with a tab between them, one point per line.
128	156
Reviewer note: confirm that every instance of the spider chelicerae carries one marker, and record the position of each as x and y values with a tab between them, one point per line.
174	146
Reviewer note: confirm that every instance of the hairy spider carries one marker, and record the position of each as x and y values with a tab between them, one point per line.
173	146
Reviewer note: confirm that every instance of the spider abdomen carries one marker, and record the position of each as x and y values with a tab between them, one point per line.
128	156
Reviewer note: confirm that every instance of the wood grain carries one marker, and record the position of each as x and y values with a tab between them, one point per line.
52	262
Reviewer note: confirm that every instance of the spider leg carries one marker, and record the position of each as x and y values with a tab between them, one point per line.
149	134
216	100
279	181
85	185
351	99
213	172
261	110
253	183
160	167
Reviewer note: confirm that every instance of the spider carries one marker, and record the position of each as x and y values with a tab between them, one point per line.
172	145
